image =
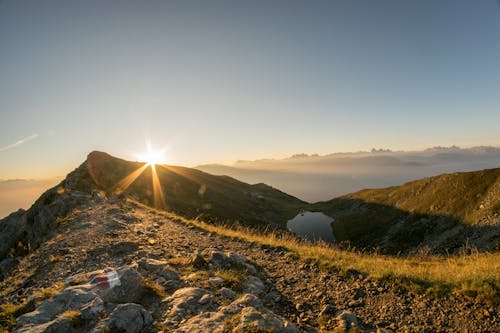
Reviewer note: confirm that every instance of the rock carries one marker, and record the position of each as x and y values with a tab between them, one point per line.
129	318
253	285
186	301
218	259
198	261
327	311
246	314
92	310
253	320
382	330
127	287
58	325
216	281
227	293
69	299
251	269
151	265
236	258
347	319
169	274
157	267
206	299
6	265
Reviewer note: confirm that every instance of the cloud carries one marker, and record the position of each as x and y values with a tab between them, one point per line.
19	142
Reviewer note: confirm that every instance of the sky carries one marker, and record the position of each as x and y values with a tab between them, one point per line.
218	81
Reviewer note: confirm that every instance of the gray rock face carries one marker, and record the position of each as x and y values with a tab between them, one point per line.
188	301
58	325
129	290
246	314
129	318
71	298
346	320
254	285
100	293
262	321
227	293
11	231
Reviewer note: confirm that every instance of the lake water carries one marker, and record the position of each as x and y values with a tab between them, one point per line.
312	226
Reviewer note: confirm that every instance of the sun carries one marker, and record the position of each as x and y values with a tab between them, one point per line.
152	157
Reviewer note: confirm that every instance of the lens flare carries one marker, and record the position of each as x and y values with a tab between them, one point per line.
152	157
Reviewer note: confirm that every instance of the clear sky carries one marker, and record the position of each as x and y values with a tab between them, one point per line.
217	81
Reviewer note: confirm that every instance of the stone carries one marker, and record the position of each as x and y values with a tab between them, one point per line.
58	325
128	289
253	320
92	310
185	301
253	285
128	318
327	311
250	268
236	258
69	299
151	265
227	293
198	261
218	259
245	314
6	265
216	281
383	330
348	319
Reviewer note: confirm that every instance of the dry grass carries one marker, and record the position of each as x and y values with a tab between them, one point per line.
475	275
232	278
71	314
49	292
179	261
8	314
153	288
55	258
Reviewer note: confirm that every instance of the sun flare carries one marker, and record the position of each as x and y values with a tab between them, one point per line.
152	157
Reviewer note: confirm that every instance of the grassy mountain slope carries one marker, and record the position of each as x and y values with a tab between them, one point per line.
441	212
193	193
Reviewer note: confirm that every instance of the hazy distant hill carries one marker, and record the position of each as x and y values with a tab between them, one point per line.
21	193
441	212
315	178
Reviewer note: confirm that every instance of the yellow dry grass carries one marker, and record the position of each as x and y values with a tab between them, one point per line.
475	275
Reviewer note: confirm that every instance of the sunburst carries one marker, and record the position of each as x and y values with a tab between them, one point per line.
151	158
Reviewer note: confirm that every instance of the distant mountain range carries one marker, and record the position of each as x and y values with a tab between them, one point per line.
21	193
321	177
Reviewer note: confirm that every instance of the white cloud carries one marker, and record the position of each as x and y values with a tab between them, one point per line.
19	142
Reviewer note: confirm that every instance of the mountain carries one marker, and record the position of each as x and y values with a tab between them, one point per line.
188	192
193	193
441	212
321	177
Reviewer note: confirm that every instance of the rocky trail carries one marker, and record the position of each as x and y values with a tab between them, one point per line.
112	266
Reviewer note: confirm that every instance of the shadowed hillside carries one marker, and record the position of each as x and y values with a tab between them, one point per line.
193	193
442	212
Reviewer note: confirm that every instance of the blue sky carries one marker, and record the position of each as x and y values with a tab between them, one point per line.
217	81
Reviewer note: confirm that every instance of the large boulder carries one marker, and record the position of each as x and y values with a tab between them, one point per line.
246	314
189	301
128	318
